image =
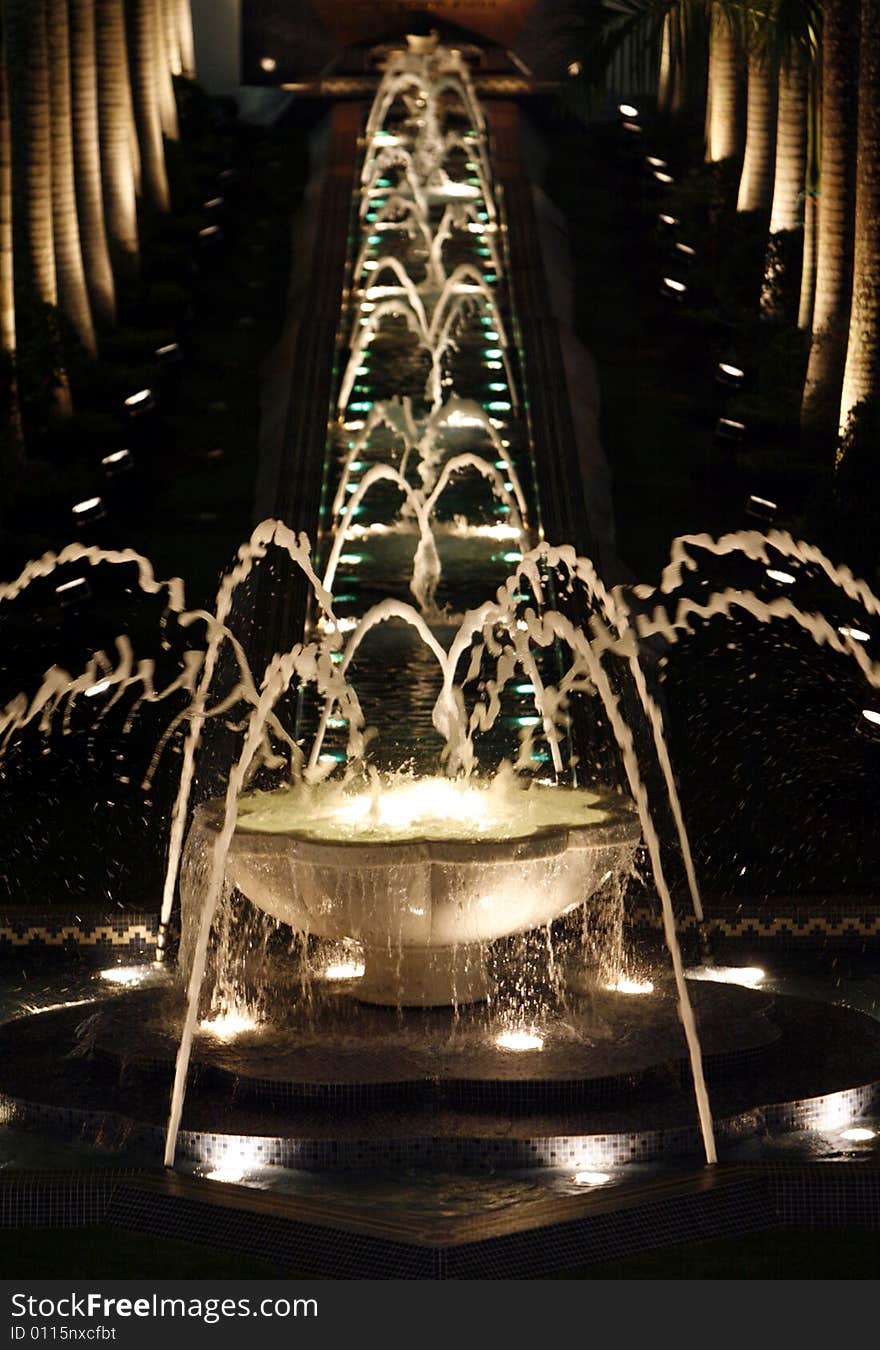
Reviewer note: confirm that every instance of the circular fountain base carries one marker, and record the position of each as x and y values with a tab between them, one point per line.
369	1087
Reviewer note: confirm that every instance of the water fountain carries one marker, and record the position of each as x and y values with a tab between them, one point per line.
400	794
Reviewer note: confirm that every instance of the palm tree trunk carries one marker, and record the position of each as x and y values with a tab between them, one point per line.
115	124
28	72
791	147
756	180
87	161
788	185
834	255
808	272
72	288
13	428
31	122
679	60
172	36
665	79
167	101
183	10
862	372
145	90
722	104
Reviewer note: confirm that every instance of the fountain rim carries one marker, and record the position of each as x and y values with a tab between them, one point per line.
547	841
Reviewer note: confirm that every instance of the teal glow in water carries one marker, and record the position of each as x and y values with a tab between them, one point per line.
493	352
351	558
523	688
496	387
365	406
526	721
497	406
337	723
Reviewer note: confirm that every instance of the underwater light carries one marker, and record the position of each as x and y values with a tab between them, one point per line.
655	163
784	578
859	1134
664	178
857	634
625	985
268	63
747	976
226	1026
126	976
235	1162
834	1111
871	716
519	1040
344	970
627	110
591	1178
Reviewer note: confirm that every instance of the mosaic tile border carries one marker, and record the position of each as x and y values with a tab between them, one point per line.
459	1153
139	931
726	1202
135	930
861	921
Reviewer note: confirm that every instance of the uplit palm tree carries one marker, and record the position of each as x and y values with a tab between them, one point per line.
756	180
12	429
115	124
183	10
72	289
27	71
862	372
811	201
684	50
172	35
792	41
723	96
167	101
834	259
87	161
143	42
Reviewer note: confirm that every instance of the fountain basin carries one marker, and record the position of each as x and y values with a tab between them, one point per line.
423	907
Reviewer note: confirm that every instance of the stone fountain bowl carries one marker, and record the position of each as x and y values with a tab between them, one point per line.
422	908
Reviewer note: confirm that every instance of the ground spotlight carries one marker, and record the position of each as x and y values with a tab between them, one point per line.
120	461
673	289
88	511
730	431
761	508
